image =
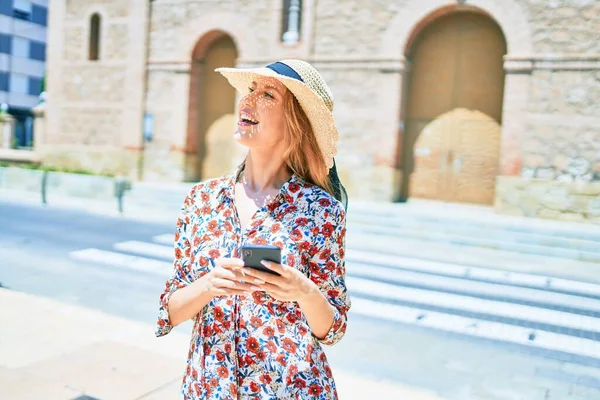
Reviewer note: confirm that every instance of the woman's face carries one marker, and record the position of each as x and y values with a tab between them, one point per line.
261	115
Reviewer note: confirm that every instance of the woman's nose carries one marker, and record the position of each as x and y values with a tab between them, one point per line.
248	100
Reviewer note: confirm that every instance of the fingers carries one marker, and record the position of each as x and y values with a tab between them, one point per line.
262	276
274	266
220	283
229	263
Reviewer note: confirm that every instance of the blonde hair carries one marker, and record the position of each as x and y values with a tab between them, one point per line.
302	153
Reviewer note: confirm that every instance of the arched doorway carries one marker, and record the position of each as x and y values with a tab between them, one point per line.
453	109
211	112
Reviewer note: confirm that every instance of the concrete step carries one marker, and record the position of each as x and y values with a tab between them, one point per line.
459	217
447	253
529	243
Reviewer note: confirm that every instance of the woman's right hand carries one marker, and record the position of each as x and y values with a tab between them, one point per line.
225	279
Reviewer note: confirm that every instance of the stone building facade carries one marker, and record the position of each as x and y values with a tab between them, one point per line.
480	101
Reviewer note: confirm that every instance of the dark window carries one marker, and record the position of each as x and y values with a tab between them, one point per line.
5	44
95	26
4	81
35	86
291	19
37	51
20	14
39	15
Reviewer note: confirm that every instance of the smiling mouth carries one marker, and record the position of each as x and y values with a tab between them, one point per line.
246	120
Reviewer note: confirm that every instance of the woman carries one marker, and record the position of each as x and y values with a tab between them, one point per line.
258	335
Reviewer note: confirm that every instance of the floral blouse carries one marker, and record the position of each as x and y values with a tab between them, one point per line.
254	346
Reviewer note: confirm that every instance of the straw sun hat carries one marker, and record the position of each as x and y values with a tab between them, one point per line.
308	86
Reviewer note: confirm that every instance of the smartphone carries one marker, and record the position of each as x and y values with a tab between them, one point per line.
253	255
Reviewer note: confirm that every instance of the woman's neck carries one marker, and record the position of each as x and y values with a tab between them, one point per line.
264	173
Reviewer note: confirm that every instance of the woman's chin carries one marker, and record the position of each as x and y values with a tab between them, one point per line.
244	138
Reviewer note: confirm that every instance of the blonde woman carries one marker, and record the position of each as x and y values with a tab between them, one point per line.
258	335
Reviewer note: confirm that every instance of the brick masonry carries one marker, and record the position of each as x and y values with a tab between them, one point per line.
550	119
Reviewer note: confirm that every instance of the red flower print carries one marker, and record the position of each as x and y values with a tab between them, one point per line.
218	232
325	254
194	374
268	331
178	253
315	231
196	241
280	326
322	357
206	210
328	371
222	372
296	235
315	390
207	331
332	293
219	314
205	197
328	229
291	260
281	360
314	268
220	356
293	187
293	370
304	246
313	250
289	199
214	253
258	297
213	225
213	184
300	383
275	228
233	390
289	345
261	355
162	323
227	225
316	371
248	360
291	318
252	344
271	346
302	221
203	262
227	213
256	322
330	266
228	347
254	387
266	379
302	330
260	241
324	202
206	348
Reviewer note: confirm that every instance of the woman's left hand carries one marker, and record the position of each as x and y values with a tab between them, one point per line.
290	285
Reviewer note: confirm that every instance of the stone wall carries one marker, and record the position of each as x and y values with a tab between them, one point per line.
94	107
563	26
541	198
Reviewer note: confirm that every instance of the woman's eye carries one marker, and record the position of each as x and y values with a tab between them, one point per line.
267	94
250	90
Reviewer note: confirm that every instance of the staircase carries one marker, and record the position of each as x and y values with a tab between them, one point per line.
454	235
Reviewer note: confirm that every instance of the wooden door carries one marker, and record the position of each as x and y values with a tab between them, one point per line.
454	110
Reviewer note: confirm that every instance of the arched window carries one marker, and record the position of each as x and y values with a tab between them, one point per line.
291	21
94	50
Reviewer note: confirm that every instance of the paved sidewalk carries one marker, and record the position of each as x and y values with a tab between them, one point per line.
51	350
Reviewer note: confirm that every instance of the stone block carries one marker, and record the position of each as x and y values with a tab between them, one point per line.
29	180
80	185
